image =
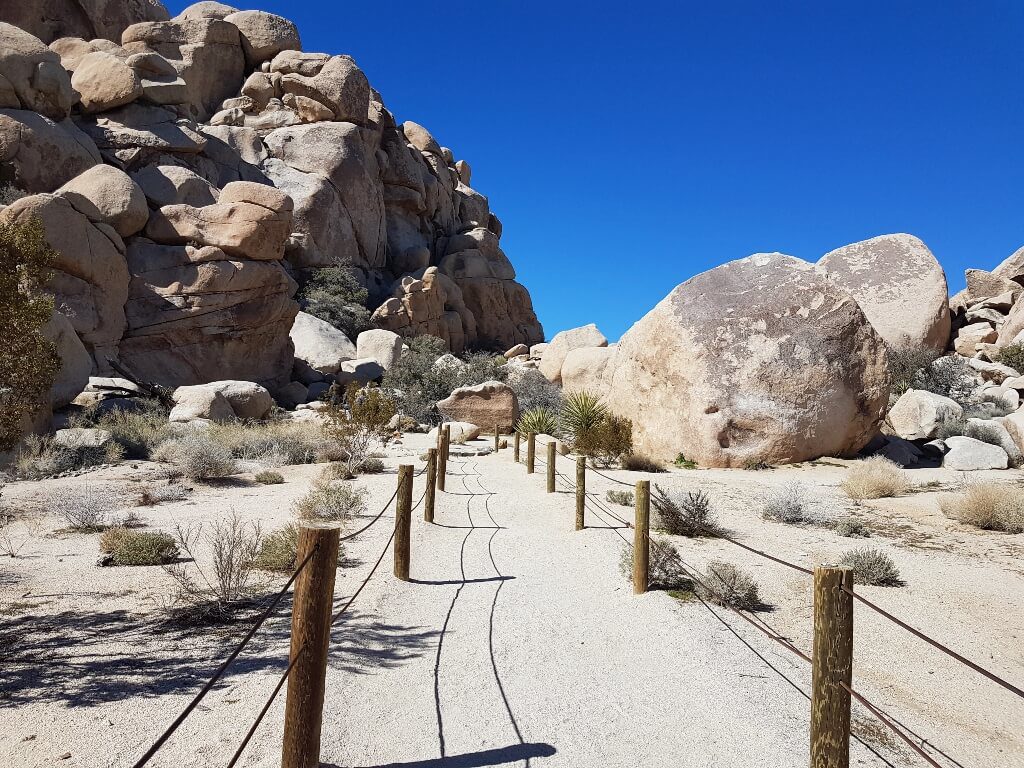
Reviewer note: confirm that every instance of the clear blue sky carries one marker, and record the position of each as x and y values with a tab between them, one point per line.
629	146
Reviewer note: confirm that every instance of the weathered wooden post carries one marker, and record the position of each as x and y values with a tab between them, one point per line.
551	466
581	491
497	438
444	432
403	521
311	636
531	452
428	510
641	536
515	448
832	667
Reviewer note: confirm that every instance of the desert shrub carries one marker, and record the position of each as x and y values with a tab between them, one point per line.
688	514
636	462
622	498
875	478
197	456
149	495
269	477
538	421
684	463
278	549
124	546
582	412
665	568
951	428
788	504
906	362
16	530
872	566
609	441
359	424
214	589
10	194
332	501
138	430
851	527
991	506
335	295
277	443
950	376
28	359
85	509
371	466
757	465
336	471
1013	356
40	457
726	584
532	389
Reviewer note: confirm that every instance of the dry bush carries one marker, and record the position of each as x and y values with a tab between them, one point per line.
687	514
789	504
726	584
359	423
607	442
332	501
875	478
150	495
872	566
269	477
274	443
278	550
851	528
124	546
336	470
39	457
622	498
139	430
992	506
197	456
16	530
665	568
216	591
85	509
371	466
533	390
636	462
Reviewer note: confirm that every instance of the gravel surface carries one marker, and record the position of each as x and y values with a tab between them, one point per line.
518	641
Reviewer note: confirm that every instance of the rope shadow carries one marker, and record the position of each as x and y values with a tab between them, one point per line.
499	756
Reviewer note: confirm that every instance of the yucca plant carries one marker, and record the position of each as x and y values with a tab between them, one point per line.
582	414
539	421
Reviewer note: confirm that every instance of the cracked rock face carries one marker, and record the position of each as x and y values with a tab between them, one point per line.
761	359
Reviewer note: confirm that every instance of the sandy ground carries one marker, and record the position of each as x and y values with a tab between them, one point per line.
518	640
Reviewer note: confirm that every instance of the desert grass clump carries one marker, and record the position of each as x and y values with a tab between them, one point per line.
274	443
538	421
41	457
851	528
875	477
332	502
688	514
150	495
269	477
197	456
138	430
637	462
726	584
124	546
872	566
665	568
85	509
622	498
987	505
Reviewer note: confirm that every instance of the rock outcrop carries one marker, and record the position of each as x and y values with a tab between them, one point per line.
565	342
486	405
761	359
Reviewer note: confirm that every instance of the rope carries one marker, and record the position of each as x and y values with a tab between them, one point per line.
786	563
936	644
378	517
891	726
365	581
223	667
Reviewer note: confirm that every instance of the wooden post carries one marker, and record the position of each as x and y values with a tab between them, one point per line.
428	510
311	636
444	432
497	438
531	452
641	536
515	448
551	466
581	491
403	521
832	667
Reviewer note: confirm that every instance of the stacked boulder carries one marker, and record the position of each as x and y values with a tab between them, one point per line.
190	171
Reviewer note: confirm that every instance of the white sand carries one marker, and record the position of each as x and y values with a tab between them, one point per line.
545	653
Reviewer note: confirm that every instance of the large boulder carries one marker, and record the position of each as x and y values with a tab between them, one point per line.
361	370
919	414
563	343
244	400
900	286
967	454
75	361
104	81
761	359
485	405
383	346
31	75
52	19
38	154
587	368
108	195
320	348
174	185
339	85
264	35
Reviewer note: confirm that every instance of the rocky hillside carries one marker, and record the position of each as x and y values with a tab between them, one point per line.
191	171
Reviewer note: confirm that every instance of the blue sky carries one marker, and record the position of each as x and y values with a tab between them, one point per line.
627	150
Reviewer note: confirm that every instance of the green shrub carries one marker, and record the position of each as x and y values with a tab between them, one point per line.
726	584
950	376
875	478
538	421
335	295
665	568
125	546
872	566
197	456
582	413
359	424
688	515
609	441
273	442
684	463
636	462
138	430
332	502
622	498
906	363
1013	356
28	359
269	477
39	457
278	550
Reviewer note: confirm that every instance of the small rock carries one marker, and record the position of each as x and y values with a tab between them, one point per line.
968	454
